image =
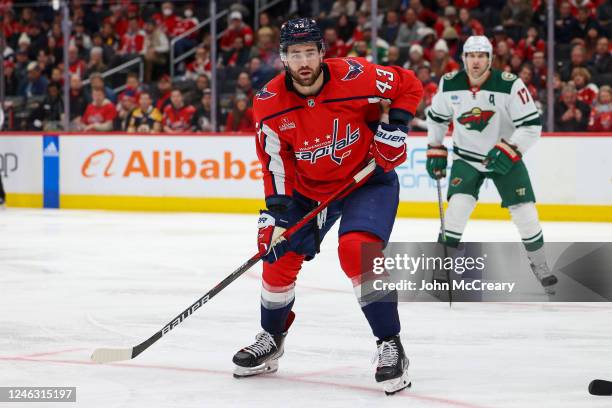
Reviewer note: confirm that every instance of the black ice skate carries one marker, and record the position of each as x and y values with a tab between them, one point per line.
545	276
260	357
392	368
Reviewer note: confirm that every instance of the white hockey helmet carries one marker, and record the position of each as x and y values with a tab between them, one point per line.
478	43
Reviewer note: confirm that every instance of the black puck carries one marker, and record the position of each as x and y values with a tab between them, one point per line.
600	387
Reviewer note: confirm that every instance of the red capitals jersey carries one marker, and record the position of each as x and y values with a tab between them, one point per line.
178	120
315	144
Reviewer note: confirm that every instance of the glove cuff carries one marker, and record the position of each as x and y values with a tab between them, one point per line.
436	151
509	150
278	203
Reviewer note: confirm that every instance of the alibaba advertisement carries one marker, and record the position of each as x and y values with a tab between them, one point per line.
177	166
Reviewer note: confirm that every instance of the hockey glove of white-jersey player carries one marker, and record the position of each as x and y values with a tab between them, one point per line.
271	225
389	145
437	161
502	157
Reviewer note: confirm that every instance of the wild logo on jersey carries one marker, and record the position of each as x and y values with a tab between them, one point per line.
329	146
476	119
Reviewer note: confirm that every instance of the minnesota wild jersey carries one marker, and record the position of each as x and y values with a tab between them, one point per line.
501	108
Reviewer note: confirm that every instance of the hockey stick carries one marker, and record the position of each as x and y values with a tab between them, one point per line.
443	235
600	387
107	355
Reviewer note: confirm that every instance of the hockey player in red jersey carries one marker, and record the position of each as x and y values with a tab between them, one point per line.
318	123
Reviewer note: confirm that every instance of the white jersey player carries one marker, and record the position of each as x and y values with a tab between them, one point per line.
495	122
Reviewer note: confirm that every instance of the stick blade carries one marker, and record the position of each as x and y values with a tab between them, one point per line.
600	387
109	355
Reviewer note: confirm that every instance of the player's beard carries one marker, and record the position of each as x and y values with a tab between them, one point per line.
295	75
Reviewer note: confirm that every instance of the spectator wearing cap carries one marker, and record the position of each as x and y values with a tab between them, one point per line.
530	44
49	113
348	7
601	114
78	101
155	51
515	16
100	113
240	118
415	57
201	65
36	84
201	121
145	118
442	63
564	23
427	39
571	115
125	108
236	28
585	90
10	79
577	59
408	32
499	35
601	62
336	47
163	92
177	116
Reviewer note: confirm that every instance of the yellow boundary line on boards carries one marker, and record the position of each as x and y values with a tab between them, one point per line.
548	212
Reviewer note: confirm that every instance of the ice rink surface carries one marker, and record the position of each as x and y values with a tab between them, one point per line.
72	281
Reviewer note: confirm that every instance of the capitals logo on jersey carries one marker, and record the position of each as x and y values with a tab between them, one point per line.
330	146
264	94
355	69
476	119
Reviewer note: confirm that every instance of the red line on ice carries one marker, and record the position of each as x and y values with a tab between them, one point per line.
297	378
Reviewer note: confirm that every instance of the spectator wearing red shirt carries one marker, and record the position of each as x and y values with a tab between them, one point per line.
526	75
601	114
240	119
132	42
236	28
76	65
442	63
424	14
585	91
164	90
167	20
468	25
528	46
335	46
468	4
100	113
177	116
200	65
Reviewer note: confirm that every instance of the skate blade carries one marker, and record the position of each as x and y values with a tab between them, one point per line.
390	387
268	367
549	283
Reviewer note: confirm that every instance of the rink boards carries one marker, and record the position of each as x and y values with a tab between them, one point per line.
571	174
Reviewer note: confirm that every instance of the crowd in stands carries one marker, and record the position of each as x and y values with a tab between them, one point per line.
421	35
